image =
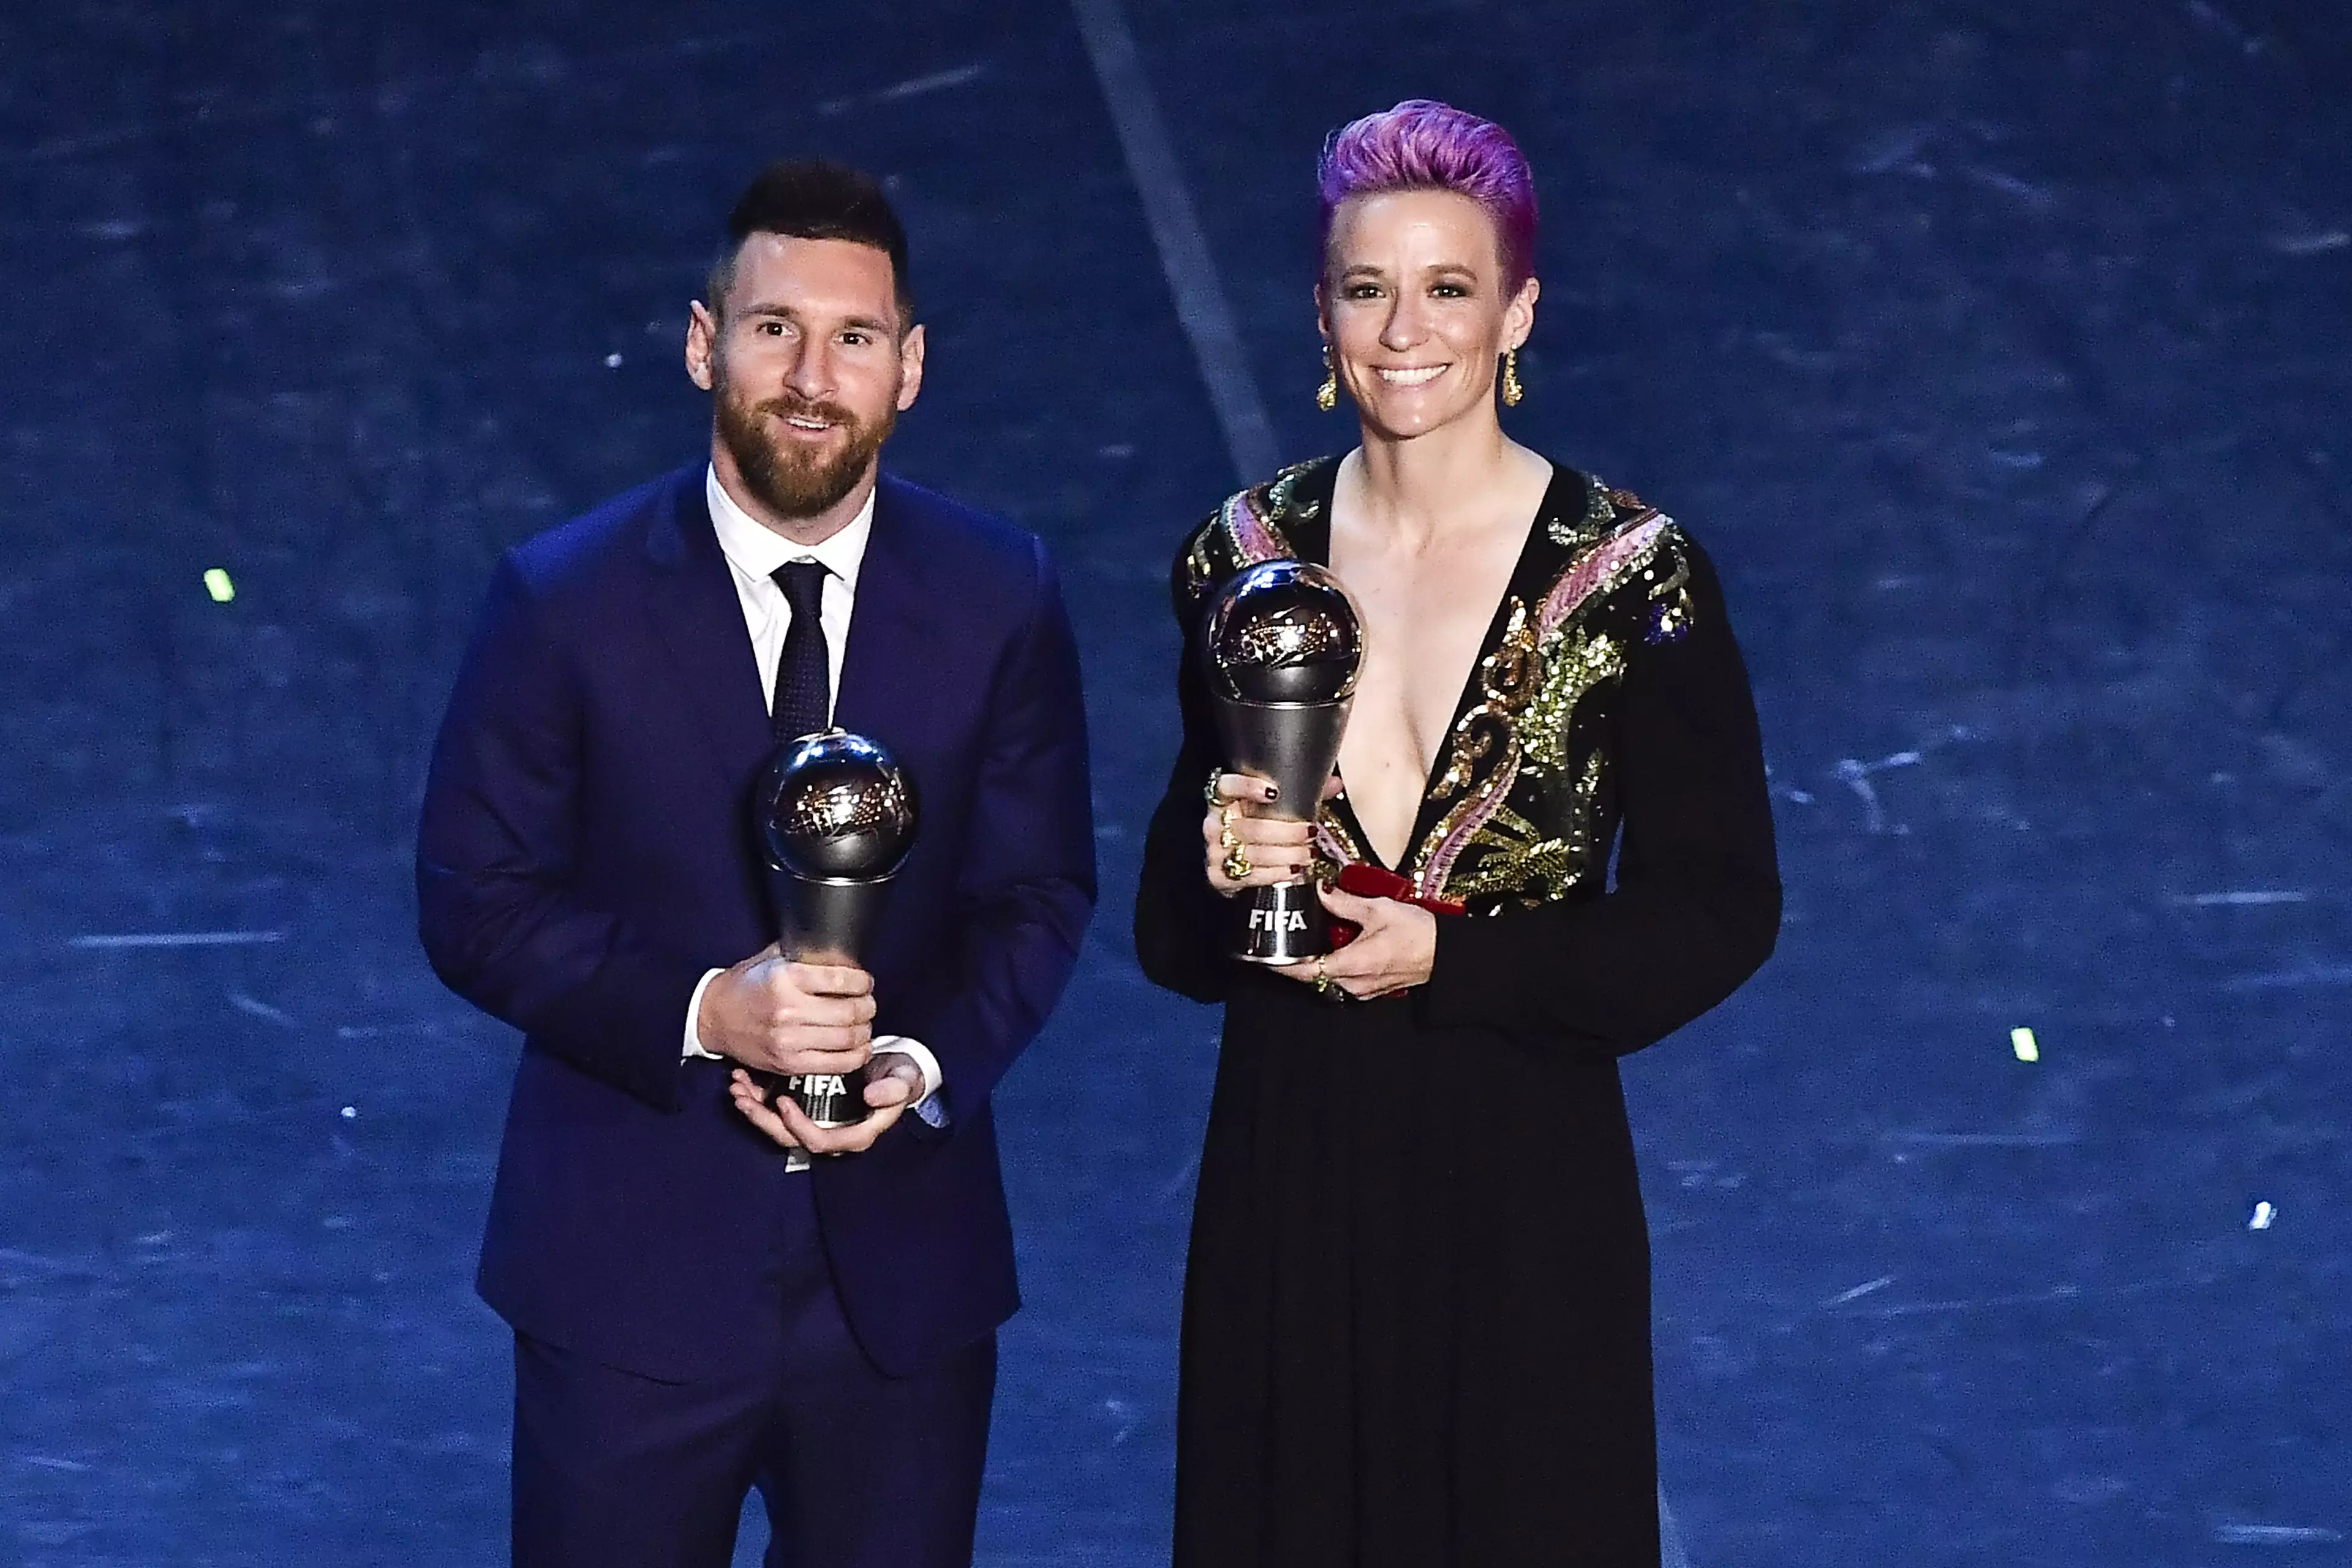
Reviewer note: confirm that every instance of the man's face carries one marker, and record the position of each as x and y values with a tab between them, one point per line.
810	366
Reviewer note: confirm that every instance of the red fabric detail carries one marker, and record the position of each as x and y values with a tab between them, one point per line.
1368	881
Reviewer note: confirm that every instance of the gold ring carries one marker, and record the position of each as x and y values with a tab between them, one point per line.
1237	860
1322	980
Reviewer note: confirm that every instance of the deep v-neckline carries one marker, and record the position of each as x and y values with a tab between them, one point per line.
1313	542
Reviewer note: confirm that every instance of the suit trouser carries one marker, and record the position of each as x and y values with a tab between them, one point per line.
856	1468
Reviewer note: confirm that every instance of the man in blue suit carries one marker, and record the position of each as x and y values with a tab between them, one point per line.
708	1295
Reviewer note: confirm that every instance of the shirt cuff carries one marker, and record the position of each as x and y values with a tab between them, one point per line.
693	1012
930	1106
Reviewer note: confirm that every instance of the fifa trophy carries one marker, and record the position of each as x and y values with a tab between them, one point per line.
838	816
1284	644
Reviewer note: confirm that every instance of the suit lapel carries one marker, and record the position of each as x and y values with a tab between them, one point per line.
881	668
691	596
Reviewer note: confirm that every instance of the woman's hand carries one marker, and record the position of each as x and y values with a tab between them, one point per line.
1395	948
1265	849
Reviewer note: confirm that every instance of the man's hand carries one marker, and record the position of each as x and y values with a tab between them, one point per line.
896	1082
770	1013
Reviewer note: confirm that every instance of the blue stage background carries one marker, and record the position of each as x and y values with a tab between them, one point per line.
1999	353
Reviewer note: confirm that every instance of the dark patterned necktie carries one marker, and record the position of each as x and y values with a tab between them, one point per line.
803	702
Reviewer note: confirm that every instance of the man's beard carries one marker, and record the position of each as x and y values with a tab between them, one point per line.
791	478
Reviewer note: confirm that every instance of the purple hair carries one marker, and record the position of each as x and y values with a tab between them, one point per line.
1425	145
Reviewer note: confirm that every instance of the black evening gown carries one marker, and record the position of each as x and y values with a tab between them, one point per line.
1416	1309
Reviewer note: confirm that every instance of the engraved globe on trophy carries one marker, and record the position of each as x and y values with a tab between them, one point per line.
1284	644
838	816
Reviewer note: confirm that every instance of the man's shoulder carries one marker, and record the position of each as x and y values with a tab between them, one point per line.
614	534
954	537
956	525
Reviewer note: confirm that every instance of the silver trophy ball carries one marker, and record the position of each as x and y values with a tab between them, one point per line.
836	806
838	816
1284	645
1285	631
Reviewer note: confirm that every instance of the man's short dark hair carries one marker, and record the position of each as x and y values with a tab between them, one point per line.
815	198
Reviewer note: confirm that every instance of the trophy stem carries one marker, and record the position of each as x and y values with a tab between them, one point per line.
1296	744
828	920
1285	924
829	1099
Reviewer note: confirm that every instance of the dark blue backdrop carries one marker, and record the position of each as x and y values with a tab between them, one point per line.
1997	351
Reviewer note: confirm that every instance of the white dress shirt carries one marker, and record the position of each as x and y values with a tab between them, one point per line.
753	553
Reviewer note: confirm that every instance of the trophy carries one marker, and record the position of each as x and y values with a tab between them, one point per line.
1283	645
838	818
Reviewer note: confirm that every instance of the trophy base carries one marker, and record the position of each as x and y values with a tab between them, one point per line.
1284	925
828	1100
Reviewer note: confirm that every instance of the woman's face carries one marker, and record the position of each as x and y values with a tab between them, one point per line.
1414	308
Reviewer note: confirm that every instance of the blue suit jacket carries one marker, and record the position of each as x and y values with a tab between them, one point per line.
586	855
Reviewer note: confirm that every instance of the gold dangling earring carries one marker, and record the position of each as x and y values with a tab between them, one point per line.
1512	390
1327	396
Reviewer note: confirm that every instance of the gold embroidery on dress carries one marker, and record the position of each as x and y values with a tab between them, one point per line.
1576	663
1618	574
1573	661
1471	746
1281	497
1515	856
1199	563
1669	604
1599	511
1504	676
1334	845
1278	491
1248	527
1485	731
1507	681
1532	685
1519	856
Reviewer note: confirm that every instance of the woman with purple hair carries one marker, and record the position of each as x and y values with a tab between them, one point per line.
1416	1310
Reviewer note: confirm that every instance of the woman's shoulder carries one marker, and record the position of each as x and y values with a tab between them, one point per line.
1608	547
1264	522
1582	511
